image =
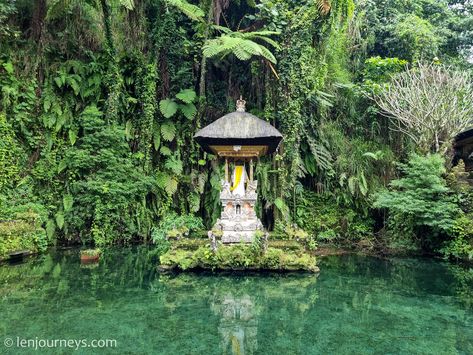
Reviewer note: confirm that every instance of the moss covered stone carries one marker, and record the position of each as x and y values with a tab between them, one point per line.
238	257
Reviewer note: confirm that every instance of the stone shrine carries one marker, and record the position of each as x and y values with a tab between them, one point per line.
239	138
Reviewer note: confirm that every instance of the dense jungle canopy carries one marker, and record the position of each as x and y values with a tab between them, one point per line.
100	99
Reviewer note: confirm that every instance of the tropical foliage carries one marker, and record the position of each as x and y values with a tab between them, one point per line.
100	99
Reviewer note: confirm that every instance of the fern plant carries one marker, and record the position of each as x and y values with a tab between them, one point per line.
242	45
192	11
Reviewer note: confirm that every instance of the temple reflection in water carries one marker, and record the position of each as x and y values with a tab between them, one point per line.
238	326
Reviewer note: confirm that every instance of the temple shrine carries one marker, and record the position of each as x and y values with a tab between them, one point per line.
239	139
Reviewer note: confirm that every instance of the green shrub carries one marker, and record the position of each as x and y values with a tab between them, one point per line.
326	221
174	227
421	193
24	232
420	202
461	245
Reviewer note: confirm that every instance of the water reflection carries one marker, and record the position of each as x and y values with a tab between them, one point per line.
356	305
245	309
238	325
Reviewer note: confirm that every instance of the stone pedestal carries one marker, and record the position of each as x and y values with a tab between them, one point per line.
238	221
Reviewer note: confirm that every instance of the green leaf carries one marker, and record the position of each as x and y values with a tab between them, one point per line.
352	184
371	155
189	110
194	202
162	179
75	86
58	81
67	202
282	207
156	138
202	162
222	29
175	165
168	107
129	130
167	183
193	12
60	220
363	184
171	187
165	151
62	165
128	4
168	131
187	95
47	103
8	66
50	228
72	136
60	122
49	120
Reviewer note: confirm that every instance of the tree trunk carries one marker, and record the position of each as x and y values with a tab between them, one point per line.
203	67
37	22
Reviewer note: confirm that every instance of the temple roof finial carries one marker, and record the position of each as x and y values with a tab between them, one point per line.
240	104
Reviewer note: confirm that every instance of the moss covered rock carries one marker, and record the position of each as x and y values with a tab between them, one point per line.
238	257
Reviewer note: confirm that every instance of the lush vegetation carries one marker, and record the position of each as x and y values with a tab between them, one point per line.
99	101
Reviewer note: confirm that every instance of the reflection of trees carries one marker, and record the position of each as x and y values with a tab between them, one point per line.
395	303
464	284
60	275
356	298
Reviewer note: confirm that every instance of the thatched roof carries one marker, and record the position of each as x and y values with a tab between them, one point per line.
239	128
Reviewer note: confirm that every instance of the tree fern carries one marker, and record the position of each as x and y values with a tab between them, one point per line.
192	11
321	155
242	45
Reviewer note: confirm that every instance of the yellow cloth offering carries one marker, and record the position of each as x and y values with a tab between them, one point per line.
238	174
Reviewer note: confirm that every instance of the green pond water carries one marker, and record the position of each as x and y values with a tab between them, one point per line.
357	305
